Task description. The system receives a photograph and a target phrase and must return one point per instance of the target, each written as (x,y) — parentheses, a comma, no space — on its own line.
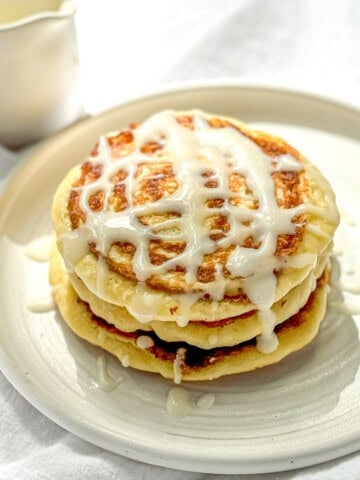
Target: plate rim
(148,454)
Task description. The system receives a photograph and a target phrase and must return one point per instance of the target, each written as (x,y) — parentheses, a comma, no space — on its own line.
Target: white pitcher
(38,69)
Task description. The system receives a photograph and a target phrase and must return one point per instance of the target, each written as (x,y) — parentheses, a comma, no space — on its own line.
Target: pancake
(203,334)
(193,246)
(177,360)
(173,275)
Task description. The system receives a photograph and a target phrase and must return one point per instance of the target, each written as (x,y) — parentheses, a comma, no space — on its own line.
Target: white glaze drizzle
(223,151)
(184,305)
(125,361)
(317,231)
(267,341)
(178,402)
(40,248)
(144,342)
(144,305)
(178,365)
(205,401)
(106,381)
(101,270)
(41,304)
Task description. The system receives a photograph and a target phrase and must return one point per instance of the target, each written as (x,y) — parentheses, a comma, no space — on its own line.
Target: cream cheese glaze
(39,249)
(205,401)
(144,342)
(178,365)
(222,151)
(41,304)
(178,402)
(106,381)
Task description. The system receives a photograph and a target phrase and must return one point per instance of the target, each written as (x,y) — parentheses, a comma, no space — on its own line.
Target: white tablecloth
(127,48)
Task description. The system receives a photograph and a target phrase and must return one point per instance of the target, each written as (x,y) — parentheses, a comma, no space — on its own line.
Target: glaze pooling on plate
(178,402)
(41,304)
(39,249)
(106,381)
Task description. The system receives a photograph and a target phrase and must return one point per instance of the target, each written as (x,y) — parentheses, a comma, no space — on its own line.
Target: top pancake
(163,194)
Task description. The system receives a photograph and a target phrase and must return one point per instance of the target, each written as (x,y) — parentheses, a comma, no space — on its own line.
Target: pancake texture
(205,335)
(196,364)
(203,238)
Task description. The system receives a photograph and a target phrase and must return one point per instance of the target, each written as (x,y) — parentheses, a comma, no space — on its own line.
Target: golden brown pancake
(156,181)
(202,334)
(187,362)
(192,244)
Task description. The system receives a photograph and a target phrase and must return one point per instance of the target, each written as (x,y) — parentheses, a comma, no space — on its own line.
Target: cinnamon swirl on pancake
(202,237)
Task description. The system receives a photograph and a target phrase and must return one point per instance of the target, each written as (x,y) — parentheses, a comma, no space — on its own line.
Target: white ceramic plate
(303,411)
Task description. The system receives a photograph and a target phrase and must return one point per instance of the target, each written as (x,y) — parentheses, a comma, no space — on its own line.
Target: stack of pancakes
(193,246)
